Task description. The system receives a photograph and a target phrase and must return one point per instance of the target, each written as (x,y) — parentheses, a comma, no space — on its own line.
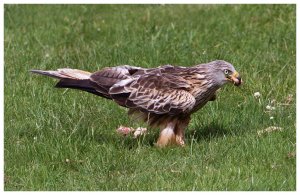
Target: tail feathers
(65,73)
(84,85)
(75,79)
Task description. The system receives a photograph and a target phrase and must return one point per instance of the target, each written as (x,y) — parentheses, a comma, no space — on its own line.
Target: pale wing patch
(108,77)
(111,75)
(119,87)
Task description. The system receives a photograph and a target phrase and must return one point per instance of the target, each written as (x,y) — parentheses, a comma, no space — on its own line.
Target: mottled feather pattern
(156,91)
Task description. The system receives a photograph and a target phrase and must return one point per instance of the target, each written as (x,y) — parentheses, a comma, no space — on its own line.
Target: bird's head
(224,72)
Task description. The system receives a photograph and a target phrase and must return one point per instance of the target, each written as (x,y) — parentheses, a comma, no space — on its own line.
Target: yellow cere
(235,74)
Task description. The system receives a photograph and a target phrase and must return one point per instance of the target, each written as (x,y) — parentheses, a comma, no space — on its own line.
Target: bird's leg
(179,130)
(166,134)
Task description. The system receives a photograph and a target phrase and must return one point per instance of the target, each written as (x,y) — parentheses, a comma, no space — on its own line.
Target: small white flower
(269,130)
(257,95)
(271,118)
(268,107)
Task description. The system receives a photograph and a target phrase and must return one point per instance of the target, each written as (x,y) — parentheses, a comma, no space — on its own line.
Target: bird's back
(167,89)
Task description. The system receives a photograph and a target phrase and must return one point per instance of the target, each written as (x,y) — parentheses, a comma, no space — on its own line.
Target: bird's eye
(226,71)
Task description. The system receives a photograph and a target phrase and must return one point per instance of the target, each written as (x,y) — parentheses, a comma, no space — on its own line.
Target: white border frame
(134,2)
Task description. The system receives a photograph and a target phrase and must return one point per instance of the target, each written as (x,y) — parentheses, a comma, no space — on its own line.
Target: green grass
(66,140)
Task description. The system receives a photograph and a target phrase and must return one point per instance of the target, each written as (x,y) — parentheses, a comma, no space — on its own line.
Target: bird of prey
(163,97)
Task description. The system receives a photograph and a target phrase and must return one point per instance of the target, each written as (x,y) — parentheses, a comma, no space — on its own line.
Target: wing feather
(155,92)
(104,79)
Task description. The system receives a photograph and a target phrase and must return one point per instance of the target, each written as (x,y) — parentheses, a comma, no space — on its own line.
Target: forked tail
(72,78)
(65,73)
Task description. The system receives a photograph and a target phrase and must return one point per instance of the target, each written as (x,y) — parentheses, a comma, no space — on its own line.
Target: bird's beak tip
(237,80)
(238,83)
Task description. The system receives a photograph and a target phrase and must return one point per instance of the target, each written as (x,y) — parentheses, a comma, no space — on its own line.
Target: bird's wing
(154,92)
(111,75)
(104,79)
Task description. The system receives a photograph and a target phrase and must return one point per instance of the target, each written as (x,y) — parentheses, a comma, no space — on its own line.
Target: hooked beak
(236,79)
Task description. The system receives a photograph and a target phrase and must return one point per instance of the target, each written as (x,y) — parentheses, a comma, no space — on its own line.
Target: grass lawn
(58,139)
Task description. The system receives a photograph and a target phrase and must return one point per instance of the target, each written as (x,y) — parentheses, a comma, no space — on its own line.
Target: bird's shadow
(196,134)
(208,132)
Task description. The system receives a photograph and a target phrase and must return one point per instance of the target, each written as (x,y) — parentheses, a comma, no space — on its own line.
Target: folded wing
(154,92)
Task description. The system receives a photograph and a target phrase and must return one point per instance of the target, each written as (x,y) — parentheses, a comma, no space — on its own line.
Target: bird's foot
(173,140)
(162,141)
(179,140)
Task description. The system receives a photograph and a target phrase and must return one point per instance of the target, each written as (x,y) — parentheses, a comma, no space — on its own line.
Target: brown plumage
(165,96)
